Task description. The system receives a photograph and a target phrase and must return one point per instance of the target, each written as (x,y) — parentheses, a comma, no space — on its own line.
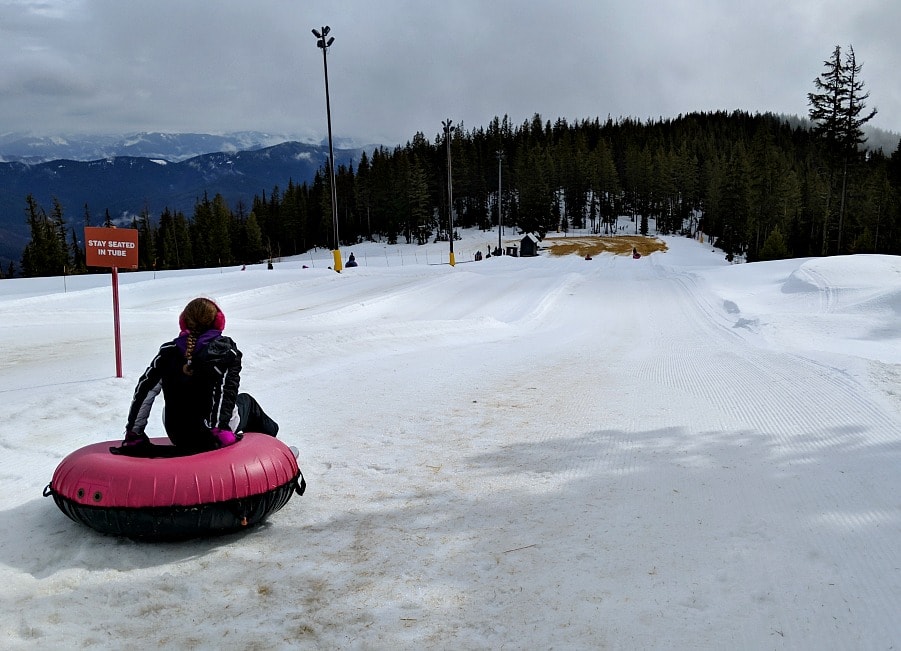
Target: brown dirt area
(583,245)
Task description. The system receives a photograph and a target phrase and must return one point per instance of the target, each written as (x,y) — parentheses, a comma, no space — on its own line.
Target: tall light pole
(323,43)
(500,203)
(450,190)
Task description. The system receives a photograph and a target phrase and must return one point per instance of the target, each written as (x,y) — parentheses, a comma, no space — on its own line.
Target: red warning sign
(111,247)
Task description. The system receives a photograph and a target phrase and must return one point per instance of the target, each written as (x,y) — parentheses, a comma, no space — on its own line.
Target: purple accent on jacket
(182,340)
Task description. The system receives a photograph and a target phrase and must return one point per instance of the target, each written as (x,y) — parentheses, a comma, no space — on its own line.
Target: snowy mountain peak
(173,147)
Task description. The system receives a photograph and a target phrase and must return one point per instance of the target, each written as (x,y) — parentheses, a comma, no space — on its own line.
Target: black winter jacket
(194,403)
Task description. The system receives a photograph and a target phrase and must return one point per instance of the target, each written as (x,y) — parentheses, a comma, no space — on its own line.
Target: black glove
(134,445)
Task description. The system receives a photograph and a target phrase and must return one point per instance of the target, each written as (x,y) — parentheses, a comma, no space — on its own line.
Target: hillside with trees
(761,186)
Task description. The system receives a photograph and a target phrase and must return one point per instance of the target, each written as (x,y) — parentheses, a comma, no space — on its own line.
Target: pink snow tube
(180,497)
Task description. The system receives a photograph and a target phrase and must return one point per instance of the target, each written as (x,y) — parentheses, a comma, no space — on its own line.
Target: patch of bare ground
(591,245)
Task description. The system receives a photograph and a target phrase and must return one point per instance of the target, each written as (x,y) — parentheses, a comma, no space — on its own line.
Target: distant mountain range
(161,172)
(173,147)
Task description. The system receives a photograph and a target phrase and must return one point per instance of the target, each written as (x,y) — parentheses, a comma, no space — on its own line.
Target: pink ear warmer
(218,322)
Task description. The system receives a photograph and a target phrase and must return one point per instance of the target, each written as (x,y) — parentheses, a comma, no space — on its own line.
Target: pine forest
(762,186)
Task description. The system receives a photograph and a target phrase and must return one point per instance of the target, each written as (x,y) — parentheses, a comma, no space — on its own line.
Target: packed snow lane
(626,463)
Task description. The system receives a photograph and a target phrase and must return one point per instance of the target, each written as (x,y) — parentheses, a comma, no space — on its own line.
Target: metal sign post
(112,247)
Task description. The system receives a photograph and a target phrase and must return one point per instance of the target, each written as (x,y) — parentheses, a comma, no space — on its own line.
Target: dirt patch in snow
(591,245)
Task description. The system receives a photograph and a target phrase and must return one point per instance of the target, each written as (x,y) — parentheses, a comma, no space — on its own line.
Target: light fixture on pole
(448,128)
(500,202)
(323,43)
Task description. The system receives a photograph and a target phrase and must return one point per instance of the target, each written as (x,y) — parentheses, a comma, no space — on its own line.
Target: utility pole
(324,44)
(500,202)
(448,129)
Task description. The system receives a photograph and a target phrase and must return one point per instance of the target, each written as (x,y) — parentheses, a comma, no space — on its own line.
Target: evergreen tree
(220,233)
(762,180)
(421,214)
(169,257)
(172,241)
(876,198)
(575,169)
(76,255)
(210,232)
(637,181)
(348,215)
(774,247)
(47,253)
(827,106)
(253,239)
(603,183)
(735,205)
(535,196)
(184,245)
(201,228)
(291,218)
(363,198)
(836,111)
(35,256)
(60,246)
(326,228)
(276,221)
(147,241)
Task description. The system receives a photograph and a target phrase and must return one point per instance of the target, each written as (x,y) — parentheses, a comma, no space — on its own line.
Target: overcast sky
(401,66)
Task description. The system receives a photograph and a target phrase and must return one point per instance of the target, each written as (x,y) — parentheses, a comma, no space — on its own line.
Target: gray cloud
(402,66)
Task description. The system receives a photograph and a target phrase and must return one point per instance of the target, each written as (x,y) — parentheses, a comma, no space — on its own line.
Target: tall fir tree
(837,113)
(47,254)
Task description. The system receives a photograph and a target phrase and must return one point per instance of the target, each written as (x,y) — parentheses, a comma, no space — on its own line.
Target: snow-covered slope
(545,452)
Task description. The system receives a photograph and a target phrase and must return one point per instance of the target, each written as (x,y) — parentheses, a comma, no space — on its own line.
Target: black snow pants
(252,417)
